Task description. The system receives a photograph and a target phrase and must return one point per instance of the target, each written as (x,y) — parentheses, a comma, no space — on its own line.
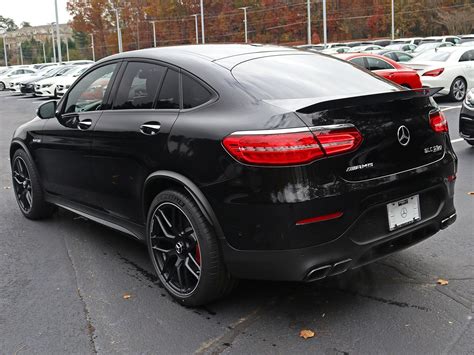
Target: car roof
(211,52)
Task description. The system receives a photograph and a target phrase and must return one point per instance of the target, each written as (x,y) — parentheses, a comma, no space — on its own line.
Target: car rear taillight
(434,72)
(275,148)
(438,122)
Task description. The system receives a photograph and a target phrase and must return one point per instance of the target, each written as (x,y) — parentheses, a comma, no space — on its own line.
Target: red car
(385,67)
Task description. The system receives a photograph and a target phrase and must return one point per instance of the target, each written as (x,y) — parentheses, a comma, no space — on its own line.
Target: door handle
(84,124)
(150,128)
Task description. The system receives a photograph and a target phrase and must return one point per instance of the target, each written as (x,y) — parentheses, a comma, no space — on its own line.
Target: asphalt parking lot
(63,282)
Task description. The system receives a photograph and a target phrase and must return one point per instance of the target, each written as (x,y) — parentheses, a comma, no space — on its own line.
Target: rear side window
(467,56)
(378,64)
(360,61)
(194,94)
(298,76)
(402,57)
(139,86)
(169,93)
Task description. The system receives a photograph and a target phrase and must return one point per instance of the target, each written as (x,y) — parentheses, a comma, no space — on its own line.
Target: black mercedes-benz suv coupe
(466,118)
(241,161)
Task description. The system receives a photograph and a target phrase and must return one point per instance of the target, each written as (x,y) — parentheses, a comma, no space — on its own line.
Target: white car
(451,39)
(28,80)
(424,47)
(411,40)
(11,74)
(451,68)
(365,48)
(47,87)
(65,82)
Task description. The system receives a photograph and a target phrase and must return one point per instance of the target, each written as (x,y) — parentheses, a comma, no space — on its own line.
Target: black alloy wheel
(22,185)
(184,250)
(175,248)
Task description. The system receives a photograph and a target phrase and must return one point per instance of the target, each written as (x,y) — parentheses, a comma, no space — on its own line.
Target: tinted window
(378,64)
(305,76)
(194,94)
(391,55)
(402,57)
(467,56)
(169,93)
(139,86)
(89,92)
(360,61)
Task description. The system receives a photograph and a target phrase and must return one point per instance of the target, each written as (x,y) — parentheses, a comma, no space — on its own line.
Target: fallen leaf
(442,282)
(127,296)
(471,193)
(306,333)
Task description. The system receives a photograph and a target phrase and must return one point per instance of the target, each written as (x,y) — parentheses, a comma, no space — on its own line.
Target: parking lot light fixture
(325,25)
(154,33)
(245,22)
(202,23)
(308,9)
(21,53)
(196,27)
(119,31)
(92,47)
(53,44)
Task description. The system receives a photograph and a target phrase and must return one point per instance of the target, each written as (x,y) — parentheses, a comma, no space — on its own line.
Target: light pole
(60,59)
(196,26)
(393,19)
(67,49)
(245,21)
(21,54)
(325,26)
(119,31)
(52,39)
(308,9)
(92,47)
(202,23)
(154,33)
(44,52)
(5,49)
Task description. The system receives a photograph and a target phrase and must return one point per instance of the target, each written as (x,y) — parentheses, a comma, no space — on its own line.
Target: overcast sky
(36,12)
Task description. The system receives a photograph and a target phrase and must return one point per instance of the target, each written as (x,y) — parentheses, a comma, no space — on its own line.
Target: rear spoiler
(310,105)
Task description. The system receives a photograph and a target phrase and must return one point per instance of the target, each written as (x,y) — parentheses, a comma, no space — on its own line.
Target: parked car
(13,74)
(466,118)
(382,42)
(335,50)
(386,68)
(365,48)
(412,40)
(25,84)
(47,87)
(318,47)
(424,47)
(241,161)
(397,56)
(466,39)
(403,47)
(44,65)
(64,82)
(357,43)
(442,39)
(450,68)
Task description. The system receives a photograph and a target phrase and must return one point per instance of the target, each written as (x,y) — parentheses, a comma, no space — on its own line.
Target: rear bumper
(436,82)
(335,257)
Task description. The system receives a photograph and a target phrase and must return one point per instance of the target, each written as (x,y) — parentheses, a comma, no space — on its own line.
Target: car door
(131,139)
(63,151)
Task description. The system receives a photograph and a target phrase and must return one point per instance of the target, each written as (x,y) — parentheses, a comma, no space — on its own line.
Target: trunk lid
(396,131)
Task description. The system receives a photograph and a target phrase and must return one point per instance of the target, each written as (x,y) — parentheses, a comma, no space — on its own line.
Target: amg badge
(359,167)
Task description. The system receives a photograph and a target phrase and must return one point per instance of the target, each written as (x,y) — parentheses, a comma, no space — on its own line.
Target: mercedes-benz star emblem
(179,247)
(403,135)
(404,212)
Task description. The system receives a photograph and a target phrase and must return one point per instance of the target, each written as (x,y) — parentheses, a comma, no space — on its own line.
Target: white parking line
(457,140)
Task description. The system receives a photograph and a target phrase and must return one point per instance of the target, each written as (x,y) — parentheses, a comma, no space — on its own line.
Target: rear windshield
(434,56)
(300,76)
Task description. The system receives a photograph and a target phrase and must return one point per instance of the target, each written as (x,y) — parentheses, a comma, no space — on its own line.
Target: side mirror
(47,110)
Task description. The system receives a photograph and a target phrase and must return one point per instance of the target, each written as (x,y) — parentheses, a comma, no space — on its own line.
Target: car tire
(184,250)
(458,89)
(28,189)
(2,86)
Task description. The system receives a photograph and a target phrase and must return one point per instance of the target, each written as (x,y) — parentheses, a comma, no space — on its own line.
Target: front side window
(194,94)
(402,57)
(89,92)
(378,64)
(360,61)
(139,86)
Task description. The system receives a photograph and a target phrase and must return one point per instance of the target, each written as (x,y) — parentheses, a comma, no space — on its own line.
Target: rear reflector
(438,122)
(434,72)
(290,148)
(326,217)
